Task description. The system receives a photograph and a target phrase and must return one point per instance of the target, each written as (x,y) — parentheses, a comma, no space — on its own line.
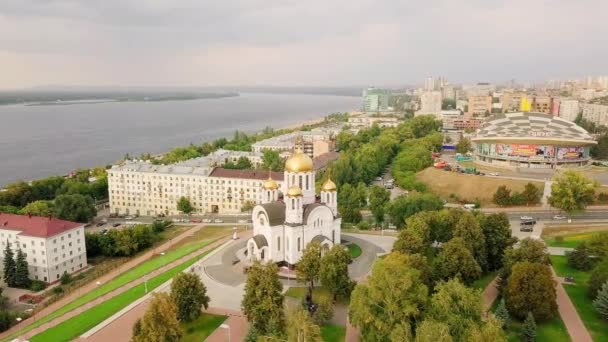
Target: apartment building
(314,143)
(569,109)
(375,100)
(596,113)
(480,105)
(364,120)
(52,246)
(430,103)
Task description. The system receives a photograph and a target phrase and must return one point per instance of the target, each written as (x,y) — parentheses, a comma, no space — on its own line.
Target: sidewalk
(567,311)
(121,289)
(489,295)
(237,323)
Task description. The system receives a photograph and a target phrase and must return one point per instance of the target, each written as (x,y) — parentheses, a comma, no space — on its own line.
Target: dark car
(100,224)
(116,225)
(104,231)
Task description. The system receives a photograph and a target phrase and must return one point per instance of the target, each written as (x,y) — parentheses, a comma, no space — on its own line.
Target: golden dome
(298,162)
(328,185)
(294,191)
(270,184)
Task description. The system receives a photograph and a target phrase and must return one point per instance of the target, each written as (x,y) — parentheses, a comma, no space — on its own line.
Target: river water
(40,141)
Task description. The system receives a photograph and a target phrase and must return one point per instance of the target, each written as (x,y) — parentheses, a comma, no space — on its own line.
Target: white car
(559,217)
(526,218)
(206,220)
(129,217)
(243,221)
(493,174)
(218,221)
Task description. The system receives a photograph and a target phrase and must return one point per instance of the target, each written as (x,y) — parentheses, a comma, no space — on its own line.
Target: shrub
(324,312)
(57,290)
(599,275)
(37,285)
(65,278)
(579,258)
(601,302)
(363,225)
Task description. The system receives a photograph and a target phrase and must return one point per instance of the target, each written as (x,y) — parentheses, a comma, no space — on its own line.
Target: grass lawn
(88,319)
(578,295)
(354,250)
(201,328)
(333,333)
(484,281)
(571,235)
(468,187)
(205,233)
(300,292)
(133,274)
(549,331)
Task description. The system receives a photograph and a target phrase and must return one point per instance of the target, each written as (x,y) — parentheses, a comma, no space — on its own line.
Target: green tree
(349,204)
(502,196)
(184,205)
(424,125)
(9,266)
(502,314)
(46,188)
(457,306)
(531,194)
(491,330)
(159,323)
(409,242)
(468,228)
(65,279)
(580,257)
(333,272)
(263,299)
(307,269)
(456,260)
(464,145)
(600,303)
(528,333)
(271,160)
(572,192)
(403,207)
(497,232)
(529,250)
(599,275)
(378,200)
(38,208)
(324,311)
(189,295)
(248,205)
(531,288)
(393,299)
(77,208)
(301,328)
(433,331)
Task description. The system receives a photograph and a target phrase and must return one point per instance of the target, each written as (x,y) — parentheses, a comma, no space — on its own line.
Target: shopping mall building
(532,140)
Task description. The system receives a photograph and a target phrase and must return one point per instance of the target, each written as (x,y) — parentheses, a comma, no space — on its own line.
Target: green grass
(201,328)
(578,295)
(354,250)
(549,331)
(484,281)
(133,274)
(88,319)
(569,241)
(300,292)
(333,333)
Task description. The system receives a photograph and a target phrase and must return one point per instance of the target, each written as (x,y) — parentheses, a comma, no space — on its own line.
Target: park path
(489,295)
(237,323)
(91,286)
(574,324)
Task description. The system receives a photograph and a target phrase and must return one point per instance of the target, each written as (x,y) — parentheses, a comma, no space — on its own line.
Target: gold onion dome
(270,184)
(298,162)
(294,191)
(328,185)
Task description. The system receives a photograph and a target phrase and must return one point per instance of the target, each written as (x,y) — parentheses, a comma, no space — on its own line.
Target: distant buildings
(375,99)
(52,246)
(569,109)
(430,103)
(366,120)
(314,143)
(480,105)
(596,113)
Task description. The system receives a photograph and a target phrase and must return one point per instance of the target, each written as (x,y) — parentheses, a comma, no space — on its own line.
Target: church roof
(319,238)
(275,212)
(260,241)
(308,208)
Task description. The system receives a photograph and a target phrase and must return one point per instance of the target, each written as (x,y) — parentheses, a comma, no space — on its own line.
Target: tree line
(531,195)
(124,242)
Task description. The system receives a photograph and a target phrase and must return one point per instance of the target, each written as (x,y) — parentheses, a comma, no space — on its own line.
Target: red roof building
(36,226)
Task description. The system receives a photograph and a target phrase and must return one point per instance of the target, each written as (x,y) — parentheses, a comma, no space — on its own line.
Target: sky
(297,43)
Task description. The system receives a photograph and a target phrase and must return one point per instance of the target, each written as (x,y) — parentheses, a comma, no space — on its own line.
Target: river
(40,141)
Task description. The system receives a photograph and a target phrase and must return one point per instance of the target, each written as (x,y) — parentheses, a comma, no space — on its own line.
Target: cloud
(283,42)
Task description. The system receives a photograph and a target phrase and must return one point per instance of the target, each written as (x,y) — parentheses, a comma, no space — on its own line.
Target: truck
(464,158)
(470,170)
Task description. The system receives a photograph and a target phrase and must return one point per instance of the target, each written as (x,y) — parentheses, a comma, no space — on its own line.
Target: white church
(282,229)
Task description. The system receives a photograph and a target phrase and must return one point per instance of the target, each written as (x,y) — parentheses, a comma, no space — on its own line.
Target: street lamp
(227,327)
(19,319)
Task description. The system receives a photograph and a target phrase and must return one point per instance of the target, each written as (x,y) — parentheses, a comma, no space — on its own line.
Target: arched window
(307,182)
(262,255)
(333,236)
(293,180)
(268,195)
(293,204)
(300,181)
(278,243)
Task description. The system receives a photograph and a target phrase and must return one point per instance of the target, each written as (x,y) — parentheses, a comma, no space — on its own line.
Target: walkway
(237,323)
(567,311)
(489,295)
(121,289)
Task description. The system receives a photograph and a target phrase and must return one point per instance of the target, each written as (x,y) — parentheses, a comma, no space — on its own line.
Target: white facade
(362,120)
(569,109)
(596,113)
(430,103)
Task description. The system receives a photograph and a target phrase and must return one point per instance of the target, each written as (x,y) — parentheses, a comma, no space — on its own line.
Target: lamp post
(18,319)
(227,327)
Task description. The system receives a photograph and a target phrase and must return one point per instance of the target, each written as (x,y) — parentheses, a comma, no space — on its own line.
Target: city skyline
(187,43)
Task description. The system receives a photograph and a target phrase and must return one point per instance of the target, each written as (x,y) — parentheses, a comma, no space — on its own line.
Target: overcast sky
(303,42)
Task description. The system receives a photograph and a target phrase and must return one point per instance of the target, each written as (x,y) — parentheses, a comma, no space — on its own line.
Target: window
(298,244)
(278,243)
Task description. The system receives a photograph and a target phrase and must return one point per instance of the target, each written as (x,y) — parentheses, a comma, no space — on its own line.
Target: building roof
(319,238)
(321,161)
(36,226)
(532,128)
(260,241)
(308,208)
(275,212)
(245,174)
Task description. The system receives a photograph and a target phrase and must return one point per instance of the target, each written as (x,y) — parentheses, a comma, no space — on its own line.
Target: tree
(529,250)
(491,330)
(376,311)
(528,333)
(502,196)
(497,232)
(378,199)
(159,323)
(458,306)
(184,205)
(468,228)
(9,265)
(333,272)
(531,194)
(408,242)
(66,278)
(307,269)
(248,205)
(301,328)
(433,331)
(599,275)
(38,208)
(349,204)
(189,295)
(403,207)
(456,260)
(22,274)
(580,257)
(600,303)
(263,299)
(324,311)
(531,288)
(464,145)
(572,192)
(501,313)
(76,207)
(271,160)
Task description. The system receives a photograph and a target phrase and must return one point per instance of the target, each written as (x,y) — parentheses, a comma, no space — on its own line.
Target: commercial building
(52,246)
(314,143)
(375,100)
(480,105)
(430,103)
(569,109)
(366,120)
(596,113)
(532,140)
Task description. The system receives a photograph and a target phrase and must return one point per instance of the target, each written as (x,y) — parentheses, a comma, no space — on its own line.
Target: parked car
(206,220)
(218,220)
(104,231)
(129,217)
(526,218)
(493,174)
(100,224)
(526,228)
(559,217)
(196,221)
(243,221)
(116,225)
